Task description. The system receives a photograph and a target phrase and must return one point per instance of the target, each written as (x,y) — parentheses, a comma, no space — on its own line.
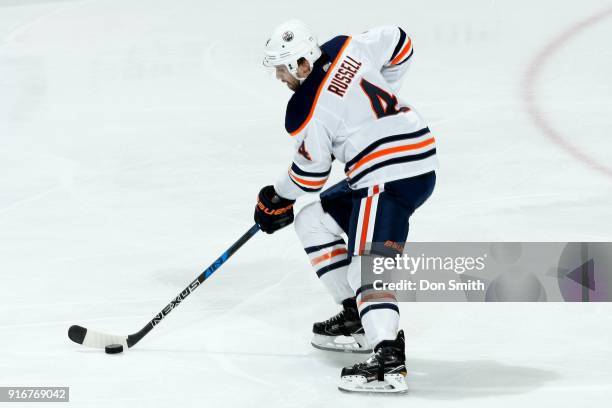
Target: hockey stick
(91,338)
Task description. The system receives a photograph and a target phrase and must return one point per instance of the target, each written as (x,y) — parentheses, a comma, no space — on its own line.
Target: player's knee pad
(312,223)
(325,248)
(308,219)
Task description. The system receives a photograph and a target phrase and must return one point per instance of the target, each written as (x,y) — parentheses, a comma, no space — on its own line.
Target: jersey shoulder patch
(301,104)
(303,152)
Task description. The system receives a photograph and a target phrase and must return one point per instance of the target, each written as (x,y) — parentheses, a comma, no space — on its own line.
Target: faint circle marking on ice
(531,78)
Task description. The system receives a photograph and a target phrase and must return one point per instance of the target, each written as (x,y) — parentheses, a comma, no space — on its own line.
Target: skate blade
(393,383)
(348,344)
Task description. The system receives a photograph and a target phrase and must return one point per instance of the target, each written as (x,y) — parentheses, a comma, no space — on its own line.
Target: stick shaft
(136,337)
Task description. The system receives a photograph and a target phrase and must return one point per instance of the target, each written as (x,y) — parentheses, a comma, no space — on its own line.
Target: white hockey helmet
(289,42)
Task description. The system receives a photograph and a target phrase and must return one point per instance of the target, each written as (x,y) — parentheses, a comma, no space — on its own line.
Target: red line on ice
(529,93)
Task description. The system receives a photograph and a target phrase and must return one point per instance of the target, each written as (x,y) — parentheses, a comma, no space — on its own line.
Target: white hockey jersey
(346,109)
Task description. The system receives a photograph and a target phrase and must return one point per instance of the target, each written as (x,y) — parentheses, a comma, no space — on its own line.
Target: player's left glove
(272,211)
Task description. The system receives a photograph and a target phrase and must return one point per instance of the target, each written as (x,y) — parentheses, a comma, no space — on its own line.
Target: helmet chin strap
(298,78)
(294,74)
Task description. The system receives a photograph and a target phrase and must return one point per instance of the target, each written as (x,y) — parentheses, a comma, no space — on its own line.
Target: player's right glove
(272,211)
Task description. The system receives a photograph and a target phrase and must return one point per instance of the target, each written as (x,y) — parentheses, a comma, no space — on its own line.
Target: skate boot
(384,371)
(342,332)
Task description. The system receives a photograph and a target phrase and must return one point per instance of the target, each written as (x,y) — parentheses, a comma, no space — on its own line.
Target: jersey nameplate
(344,76)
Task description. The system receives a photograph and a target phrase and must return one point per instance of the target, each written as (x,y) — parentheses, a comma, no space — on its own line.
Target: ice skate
(383,372)
(342,332)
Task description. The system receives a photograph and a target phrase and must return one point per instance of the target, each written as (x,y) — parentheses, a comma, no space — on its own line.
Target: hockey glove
(273,212)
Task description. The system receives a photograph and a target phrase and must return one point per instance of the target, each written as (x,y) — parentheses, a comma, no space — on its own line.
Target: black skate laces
(342,316)
(339,318)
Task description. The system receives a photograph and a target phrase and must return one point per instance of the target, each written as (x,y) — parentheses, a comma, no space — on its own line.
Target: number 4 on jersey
(383,103)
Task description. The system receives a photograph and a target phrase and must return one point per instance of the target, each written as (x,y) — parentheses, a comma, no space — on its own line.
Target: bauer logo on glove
(272,211)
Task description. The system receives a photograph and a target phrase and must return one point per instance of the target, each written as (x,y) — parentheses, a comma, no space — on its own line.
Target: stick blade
(94,339)
(77,333)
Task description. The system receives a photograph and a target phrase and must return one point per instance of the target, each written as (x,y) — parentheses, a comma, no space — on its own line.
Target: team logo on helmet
(287,36)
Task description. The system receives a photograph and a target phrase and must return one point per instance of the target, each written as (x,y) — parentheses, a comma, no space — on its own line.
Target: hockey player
(345,108)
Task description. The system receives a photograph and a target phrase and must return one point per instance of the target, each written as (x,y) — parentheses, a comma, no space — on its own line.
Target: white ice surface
(135,134)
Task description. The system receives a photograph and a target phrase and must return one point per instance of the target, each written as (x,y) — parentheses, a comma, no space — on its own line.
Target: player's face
(283,74)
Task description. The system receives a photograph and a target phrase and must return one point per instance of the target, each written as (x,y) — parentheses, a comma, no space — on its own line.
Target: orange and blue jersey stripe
(306,180)
(403,50)
(381,153)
